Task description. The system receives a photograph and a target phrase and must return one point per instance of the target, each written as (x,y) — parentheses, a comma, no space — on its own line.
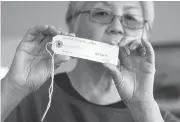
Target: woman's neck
(93,82)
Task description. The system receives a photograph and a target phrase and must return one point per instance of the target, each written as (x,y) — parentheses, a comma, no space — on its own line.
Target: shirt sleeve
(25,112)
(32,108)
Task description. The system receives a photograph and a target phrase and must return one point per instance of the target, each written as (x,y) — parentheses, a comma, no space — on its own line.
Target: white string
(52,79)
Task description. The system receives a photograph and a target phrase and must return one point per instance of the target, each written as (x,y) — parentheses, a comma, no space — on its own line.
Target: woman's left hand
(134,78)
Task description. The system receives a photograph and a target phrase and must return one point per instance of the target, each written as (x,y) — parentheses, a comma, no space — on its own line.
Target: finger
(44,49)
(28,38)
(123,56)
(134,44)
(42,30)
(58,59)
(123,53)
(116,75)
(33,32)
(46,36)
(142,51)
(72,34)
(39,38)
(46,43)
(62,31)
(118,64)
(52,30)
(127,40)
(149,51)
(59,31)
(36,30)
(124,41)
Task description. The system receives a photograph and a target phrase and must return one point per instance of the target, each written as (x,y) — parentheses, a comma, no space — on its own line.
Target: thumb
(116,75)
(58,59)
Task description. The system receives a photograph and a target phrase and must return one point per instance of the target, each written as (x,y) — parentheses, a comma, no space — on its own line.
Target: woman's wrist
(10,88)
(11,96)
(147,111)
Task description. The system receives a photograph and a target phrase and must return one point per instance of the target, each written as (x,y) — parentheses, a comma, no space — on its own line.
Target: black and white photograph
(90,61)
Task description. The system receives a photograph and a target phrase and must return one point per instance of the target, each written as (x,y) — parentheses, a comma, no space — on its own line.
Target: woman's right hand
(31,65)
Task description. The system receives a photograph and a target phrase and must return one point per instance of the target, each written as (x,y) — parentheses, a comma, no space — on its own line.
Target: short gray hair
(73,8)
(76,6)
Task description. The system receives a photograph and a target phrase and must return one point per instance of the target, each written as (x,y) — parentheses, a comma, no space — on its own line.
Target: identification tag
(85,49)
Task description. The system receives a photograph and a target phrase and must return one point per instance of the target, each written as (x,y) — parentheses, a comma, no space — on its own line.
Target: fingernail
(59,32)
(143,54)
(66,33)
(121,44)
(127,50)
(133,46)
(72,34)
(62,31)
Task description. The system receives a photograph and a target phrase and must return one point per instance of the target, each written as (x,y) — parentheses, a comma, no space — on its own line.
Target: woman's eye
(129,17)
(102,14)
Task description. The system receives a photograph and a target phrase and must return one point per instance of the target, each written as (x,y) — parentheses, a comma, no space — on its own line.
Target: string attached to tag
(52,79)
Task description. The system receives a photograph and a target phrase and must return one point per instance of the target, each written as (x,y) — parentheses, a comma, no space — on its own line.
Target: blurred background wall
(17,17)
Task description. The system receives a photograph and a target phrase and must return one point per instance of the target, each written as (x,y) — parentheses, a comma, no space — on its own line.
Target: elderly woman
(91,92)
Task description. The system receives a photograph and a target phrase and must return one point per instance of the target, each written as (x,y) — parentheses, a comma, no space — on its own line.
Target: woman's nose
(116,27)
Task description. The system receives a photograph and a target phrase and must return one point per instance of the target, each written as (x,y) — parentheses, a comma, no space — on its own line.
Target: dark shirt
(69,106)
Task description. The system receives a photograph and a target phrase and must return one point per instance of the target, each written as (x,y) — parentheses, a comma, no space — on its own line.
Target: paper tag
(86,49)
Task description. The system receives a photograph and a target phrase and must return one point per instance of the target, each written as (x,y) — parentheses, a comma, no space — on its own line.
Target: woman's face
(113,32)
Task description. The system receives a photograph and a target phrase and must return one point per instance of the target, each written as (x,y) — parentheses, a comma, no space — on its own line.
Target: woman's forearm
(146,112)
(11,96)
